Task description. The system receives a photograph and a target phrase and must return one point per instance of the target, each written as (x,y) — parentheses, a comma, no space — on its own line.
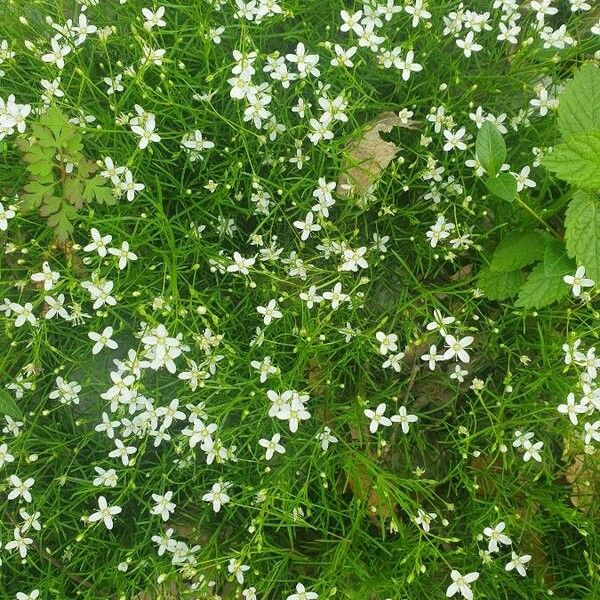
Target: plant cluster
(299,299)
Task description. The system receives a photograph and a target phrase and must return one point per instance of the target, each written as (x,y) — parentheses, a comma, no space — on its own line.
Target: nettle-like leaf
(582,225)
(519,249)
(504,277)
(500,285)
(545,283)
(62,180)
(490,148)
(577,160)
(580,102)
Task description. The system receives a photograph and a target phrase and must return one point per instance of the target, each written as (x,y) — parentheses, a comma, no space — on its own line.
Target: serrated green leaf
(490,148)
(8,406)
(556,260)
(582,224)
(500,286)
(541,289)
(579,108)
(577,160)
(519,249)
(504,186)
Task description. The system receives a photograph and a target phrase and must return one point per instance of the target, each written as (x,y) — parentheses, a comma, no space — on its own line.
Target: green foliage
(62,179)
(503,186)
(504,277)
(580,102)
(498,285)
(490,148)
(8,406)
(582,225)
(577,160)
(519,249)
(545,283)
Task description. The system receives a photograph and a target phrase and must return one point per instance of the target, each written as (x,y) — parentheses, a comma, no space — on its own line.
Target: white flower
(98,243)
(307,226)
(418,11)
(424,519)
(468,45)
(144,128)
(311,297)
(123,254)
(108,478)
(454,139)
(578,281)
(353,259)
(457,348)
(272,446)
(47,276)
(5,215)
(336,297)
(269,312)
(377,418)
(387,342)
(103,340)
(57,55)
(235,567)
(163,507)
(240,264)
(518,562)
(56,307)
(532,451)
(20,488)
(302,594)
(432,357)
(408,66)
(217,496)
(5,455)
(19,542)
(325,438)
(123,452)
(33,595)
(105,513)
(571,408)
(496,537)
(24,314)
(129,186)
(294,412)
(153,18)
(404,418)
(460,583)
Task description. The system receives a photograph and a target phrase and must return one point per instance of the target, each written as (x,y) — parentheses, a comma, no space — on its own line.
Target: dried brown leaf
(369,156)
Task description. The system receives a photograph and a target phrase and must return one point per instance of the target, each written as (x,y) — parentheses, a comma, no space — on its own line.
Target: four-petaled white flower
(269,312)
(404,419)
(104,513)
(272,446)
(217,496)
(103,340)
(578,281)
(518,563)
(461,584)
(496,537)
(307,226)
(302,594)
(163,507)
(377,417)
